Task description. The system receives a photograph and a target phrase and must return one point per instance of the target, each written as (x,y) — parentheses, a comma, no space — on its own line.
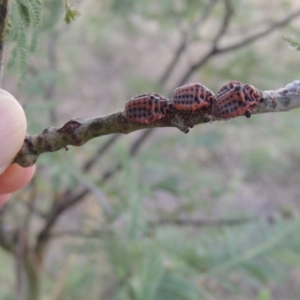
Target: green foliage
(294,44)
(70,13)
(24,26)
(6,276)
(264,294)
(27,19)
(171,263)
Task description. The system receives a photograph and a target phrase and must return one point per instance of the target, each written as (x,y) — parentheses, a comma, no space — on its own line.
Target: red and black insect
(236,99)
(226,88)
(192,99)
(146,108)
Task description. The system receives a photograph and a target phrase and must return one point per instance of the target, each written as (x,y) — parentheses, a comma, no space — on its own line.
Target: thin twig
(223,27)
(187,37)
(76,234)
(217,50)
(4,6)
(100,152)
(202,222)
(261,34)
(225,22)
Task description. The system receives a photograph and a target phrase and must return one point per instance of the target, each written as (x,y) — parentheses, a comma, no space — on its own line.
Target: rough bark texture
(76,132)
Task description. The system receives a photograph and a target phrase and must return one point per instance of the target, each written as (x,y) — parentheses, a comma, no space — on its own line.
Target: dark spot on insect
(248,114)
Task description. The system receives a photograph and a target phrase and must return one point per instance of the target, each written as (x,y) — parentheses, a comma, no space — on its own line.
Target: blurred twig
(22,250)
(100,152)
(186,38)
(223,27)
(76,234)
(217,50)
(4,6)
(202,222)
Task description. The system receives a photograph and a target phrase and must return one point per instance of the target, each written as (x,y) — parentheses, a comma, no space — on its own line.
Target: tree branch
(216,50)
(77,132)
(261,34)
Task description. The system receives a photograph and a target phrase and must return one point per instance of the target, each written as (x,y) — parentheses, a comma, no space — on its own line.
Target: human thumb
(13,128)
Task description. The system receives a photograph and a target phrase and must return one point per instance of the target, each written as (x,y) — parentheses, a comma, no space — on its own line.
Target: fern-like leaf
(24,27)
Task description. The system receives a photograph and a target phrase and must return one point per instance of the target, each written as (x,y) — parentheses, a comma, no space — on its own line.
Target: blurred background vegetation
(154,215)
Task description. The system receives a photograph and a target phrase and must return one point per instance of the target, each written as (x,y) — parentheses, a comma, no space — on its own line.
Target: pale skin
(13,128)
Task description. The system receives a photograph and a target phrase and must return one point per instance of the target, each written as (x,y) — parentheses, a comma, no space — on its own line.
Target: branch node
(178,122)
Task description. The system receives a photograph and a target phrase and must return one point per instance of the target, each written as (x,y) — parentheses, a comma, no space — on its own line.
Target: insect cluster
(232,100)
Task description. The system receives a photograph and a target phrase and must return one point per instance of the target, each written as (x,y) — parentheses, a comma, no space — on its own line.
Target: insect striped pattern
(232,100)
(226,88)
(192,99)
(146,108)
(235,99)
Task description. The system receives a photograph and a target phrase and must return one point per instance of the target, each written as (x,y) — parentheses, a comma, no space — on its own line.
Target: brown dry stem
(77,132)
